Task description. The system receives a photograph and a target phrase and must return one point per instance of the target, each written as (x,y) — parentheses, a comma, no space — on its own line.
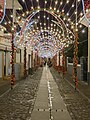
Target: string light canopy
(55,26)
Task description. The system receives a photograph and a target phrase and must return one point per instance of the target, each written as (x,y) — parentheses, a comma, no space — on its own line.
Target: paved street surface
(77,103)
(17,104)
(53,99)
(49,104)
(4,86)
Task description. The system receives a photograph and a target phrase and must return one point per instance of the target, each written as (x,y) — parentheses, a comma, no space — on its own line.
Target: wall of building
(70,69)
(18,57)
(8,63)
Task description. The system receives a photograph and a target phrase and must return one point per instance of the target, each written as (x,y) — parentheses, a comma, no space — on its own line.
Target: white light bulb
(83,31)
(72,5)
(23,0)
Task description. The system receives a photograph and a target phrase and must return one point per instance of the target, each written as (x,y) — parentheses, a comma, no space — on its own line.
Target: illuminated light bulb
(35,22)
(81,13)
(9,22)
(27,12)
(71,37)
(71,23)
(67,25)
(2,29)
(87,10)
(89,25)
(18,17)
(5,23)
(76,30)
(61,3)
(64,18)
(78,0)
(45,2)
(54,25)
(72,5)
(69,19)
(14,26)
(38,7)
(76,23)
(51,24)
(59,16)
(44,16)
(67,14)
(56,2)
(80,19)
(32,8)
(38,17)
(72,27)
(37,0)
(23,0)
(11,16)
(62,10)
(67,1)
(58,11)
(12,29)
(47,18)
(1,10)
(23,14)
(50,8)
(80,26)
(59,31)
(75,12)
(52,12)
(48,27)
(54,8)
(41,28)
(83,31)
(19,8)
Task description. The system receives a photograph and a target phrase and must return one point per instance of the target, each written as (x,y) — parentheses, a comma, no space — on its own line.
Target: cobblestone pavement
(18,103)
(77,105)
(4,86)
(82,85)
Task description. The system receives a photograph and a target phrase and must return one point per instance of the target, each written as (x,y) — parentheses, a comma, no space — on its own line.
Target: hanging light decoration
(2,10)
(12,63)
(75,59)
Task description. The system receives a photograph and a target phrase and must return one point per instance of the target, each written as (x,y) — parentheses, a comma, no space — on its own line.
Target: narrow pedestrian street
(49,103)
(44,59)
(39,97)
